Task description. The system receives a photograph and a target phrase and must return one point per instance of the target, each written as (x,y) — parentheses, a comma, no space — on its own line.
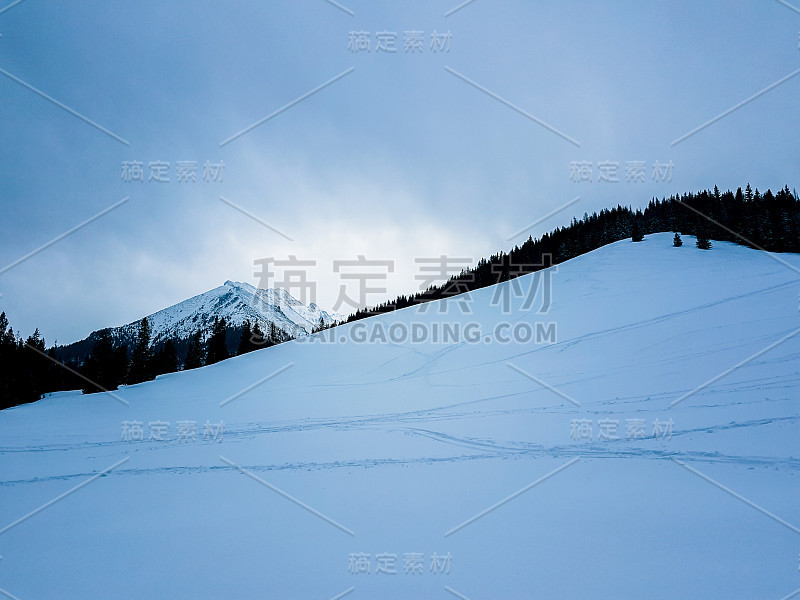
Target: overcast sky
(448,148)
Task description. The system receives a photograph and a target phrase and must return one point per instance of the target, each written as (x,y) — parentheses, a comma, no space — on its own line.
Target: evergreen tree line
(106,365)
(218,346)
(767,221)
(28,369)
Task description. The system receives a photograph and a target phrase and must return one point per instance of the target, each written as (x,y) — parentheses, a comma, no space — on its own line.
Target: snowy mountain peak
(236,302)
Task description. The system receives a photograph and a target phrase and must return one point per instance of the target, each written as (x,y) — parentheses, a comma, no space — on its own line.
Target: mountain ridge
(235,301)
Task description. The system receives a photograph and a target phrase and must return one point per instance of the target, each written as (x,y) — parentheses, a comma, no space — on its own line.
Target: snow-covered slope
(236,302)
(362,453)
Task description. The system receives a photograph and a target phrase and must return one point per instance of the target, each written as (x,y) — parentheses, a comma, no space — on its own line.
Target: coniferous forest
(764,221)
(28,369)
(768,221)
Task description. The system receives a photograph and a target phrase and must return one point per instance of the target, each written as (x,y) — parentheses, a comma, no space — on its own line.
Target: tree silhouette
(106,365)
(166,359)
(636,233)
(142,358)
(217,345)
(195,355)
(246,339)
(703,242)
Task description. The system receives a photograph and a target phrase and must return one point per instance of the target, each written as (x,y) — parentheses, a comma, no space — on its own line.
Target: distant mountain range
(235,301)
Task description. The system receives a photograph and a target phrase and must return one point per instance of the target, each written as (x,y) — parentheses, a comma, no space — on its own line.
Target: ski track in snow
(420,408)
(619,448)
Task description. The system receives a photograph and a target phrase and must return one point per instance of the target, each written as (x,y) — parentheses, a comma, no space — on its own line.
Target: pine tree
(195,357)
(257,339)
(9,366)
(636,234)
(320,326)
(56,376)
(33,368)
(703,242)
(119,365)
(677,241)
(166,359)
(105,365)
(142,359)
(217,344)
(245,339)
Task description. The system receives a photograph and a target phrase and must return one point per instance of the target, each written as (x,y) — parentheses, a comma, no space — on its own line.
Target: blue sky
(400,158)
